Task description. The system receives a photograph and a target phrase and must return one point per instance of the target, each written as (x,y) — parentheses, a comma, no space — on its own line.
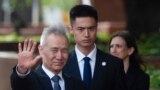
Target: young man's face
(84,30)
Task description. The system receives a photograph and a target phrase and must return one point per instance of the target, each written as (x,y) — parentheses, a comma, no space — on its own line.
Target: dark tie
(56,82)
(87,76)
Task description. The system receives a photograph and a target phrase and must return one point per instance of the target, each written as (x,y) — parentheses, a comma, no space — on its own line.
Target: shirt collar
(91,55)
(49,73)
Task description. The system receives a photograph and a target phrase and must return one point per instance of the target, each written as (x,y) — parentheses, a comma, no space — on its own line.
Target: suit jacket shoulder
(108,69)
(38,80)
(108,57)
(71,68)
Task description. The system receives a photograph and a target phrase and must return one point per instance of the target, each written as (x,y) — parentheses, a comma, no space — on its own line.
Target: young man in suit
(105,72)
(53,51)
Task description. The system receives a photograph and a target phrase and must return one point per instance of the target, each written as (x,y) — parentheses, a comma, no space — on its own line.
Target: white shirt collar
(49,73)
(91,55)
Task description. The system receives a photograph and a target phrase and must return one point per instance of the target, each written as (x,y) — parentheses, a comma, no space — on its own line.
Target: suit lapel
(44,79)
(67,83)
(98,66)
(74,65)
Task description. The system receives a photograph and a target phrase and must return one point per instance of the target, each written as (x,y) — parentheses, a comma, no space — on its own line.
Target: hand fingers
(33,46)
(25,44)
(20,47)
(29,46)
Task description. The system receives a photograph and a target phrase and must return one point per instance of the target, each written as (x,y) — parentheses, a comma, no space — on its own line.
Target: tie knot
(86,59)
(56,78)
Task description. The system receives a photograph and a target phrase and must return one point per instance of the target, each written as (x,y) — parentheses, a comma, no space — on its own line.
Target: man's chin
(58,69)
(87,45)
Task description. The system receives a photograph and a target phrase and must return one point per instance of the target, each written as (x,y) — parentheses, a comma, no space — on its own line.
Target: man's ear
(131,50)
(40,49)
(70,29)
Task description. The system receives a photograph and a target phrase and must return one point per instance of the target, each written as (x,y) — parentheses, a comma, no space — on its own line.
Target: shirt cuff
(22,75)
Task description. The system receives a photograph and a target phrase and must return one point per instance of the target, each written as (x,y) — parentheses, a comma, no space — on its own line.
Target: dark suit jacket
(137,79)
(38,80)
(108,77)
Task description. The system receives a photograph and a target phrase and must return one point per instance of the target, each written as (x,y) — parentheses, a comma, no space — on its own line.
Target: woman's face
(119,48)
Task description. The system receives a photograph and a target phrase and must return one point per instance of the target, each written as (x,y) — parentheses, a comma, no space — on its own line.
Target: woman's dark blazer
(137,79)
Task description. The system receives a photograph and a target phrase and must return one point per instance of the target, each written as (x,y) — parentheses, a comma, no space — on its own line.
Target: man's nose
(86,33)
(59,55)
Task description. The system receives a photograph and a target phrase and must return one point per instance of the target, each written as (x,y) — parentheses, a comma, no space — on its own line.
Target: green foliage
(150,45)
(103,37)
(14,37)
(20,4)
(64,4)
(49,2)
(154,77)
(102,47)
(35,38)
(70,37)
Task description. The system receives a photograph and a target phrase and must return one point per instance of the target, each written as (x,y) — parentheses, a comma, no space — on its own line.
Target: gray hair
(56,30)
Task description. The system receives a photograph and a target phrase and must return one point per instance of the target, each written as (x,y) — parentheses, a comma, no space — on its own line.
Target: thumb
(36,61)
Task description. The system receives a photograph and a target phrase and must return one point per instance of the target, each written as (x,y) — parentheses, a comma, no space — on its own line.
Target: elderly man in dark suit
(98,70)
(53,50)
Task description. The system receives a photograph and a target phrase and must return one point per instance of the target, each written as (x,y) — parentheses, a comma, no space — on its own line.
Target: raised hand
(26,59)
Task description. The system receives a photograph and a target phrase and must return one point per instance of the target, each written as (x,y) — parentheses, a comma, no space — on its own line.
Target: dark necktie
(87,76)
(56,82)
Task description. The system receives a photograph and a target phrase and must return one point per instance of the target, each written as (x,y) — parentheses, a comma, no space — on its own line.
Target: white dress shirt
(50,74)
(80,56)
